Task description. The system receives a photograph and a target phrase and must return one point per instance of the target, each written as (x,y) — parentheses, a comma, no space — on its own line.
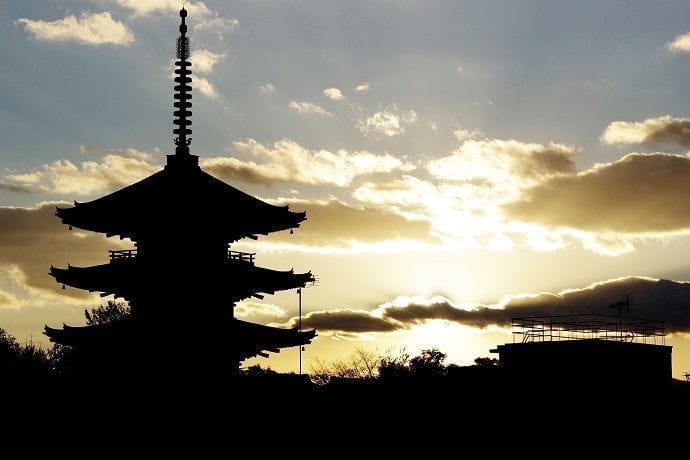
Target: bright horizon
(453,157)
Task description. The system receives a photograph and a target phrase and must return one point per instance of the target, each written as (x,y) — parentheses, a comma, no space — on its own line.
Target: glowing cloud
(148,7)
(680,44)
(386,123)
(308,108)
(88,28)
(90,177)
(362,87)
(333,93)
(204,60)
(287,161)
(652,131)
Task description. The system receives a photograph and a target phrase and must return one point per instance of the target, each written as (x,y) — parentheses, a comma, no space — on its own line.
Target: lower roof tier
(180,199)
(244,339)
(236,280)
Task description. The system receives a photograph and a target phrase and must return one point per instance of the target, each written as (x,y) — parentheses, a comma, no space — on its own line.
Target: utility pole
(299,326)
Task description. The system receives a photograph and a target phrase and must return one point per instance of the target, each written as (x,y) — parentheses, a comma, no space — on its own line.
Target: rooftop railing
(130,255)
(588,326)
(237,256)
(122,255)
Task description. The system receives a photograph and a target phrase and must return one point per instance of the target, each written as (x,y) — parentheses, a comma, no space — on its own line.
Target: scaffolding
(588,327)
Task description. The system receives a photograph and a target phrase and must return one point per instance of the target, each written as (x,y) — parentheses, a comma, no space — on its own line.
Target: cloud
(344,320)
(206,87)
(124,153)
(13,187)
(268,88)
(333,223)
(387,123)
(333,93)
(307,108)
(362,87)
(116,169)
(10,301)
(466,134)
(148,7)
(31,239)
(253,309)
(88,28)
(464,198)
(204,60)
(680,44)
(505,165)
(639,194)
(652,131)
(653,298)
(287,161)
(217,24)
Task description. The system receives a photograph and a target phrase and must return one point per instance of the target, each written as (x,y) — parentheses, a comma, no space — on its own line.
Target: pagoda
(181,279)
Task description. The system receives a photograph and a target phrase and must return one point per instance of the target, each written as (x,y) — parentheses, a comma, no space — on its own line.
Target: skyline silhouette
(454,177)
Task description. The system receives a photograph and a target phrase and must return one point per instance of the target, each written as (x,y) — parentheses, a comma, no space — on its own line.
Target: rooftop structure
(587,352)
(587,327)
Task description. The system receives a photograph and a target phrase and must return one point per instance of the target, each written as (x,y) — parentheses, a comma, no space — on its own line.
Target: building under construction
(593,352)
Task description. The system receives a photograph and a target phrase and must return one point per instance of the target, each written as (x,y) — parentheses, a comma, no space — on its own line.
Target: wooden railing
(130,255)
(237,256)
(122,255)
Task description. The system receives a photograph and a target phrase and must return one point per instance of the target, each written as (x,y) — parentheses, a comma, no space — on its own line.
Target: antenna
(622,305)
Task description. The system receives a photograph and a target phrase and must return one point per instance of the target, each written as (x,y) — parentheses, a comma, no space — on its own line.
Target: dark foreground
(490,402)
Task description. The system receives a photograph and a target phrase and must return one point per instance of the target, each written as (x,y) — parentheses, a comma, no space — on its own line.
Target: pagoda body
(181,279)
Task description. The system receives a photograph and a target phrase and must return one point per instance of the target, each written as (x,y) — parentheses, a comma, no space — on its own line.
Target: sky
(460,162)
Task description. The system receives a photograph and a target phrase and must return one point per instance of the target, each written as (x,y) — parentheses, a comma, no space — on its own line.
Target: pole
(299,294)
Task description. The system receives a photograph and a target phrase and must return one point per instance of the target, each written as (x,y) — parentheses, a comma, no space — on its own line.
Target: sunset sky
(453,157)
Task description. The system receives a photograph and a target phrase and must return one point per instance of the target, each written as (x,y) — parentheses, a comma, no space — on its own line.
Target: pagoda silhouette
(182,280)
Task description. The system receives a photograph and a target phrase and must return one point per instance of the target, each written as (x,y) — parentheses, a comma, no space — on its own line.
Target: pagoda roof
(182,199)
(247,339)
(122,279)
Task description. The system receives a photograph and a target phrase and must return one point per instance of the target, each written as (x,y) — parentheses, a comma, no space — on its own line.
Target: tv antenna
(622,305)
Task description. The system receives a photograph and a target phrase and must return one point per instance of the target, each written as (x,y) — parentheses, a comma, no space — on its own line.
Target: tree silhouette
(361,364)
(66,360)
(485,362)
(21,363)
(428,363)
(105,314)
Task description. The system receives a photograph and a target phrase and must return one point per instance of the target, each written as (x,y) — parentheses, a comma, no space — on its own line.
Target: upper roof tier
(179,200)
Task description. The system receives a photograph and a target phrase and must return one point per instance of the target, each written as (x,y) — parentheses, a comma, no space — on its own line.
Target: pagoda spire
(182,91)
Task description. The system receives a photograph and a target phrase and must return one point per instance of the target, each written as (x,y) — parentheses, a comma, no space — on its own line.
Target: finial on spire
(182,91)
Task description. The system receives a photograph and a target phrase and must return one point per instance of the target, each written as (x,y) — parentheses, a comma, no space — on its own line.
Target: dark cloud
(345,320)
(640,193)
(334,223)
(653,299)
(31,239)
(234,170)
